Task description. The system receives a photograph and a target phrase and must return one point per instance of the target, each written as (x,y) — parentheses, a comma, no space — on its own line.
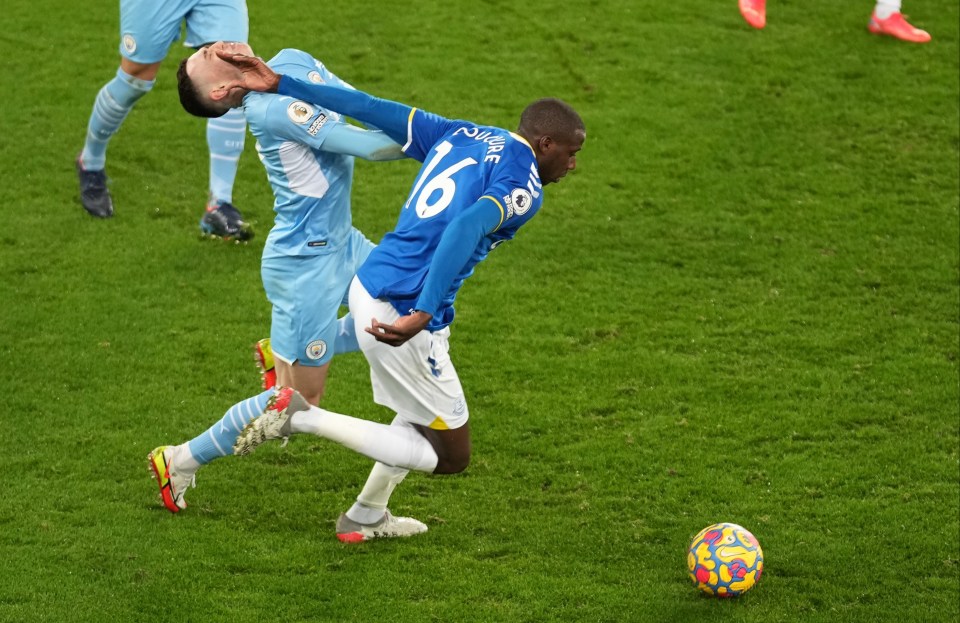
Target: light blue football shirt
(311,186)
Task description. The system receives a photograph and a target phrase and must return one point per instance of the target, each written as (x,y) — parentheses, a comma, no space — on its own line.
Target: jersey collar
(524,141)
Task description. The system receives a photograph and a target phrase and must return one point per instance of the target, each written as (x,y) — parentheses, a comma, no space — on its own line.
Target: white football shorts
(417,379)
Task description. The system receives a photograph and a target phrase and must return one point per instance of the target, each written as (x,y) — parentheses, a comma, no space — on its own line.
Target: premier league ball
(725,560)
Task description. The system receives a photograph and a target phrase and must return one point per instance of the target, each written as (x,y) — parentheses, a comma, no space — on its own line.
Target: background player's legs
(113,103)
(225,138)
(209,21)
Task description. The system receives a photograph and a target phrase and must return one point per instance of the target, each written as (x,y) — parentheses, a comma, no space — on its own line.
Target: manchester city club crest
(316,349)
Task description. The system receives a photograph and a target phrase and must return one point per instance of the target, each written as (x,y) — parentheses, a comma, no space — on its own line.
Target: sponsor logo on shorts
(314,77)
(129,43)
(316,349)
(299,112)
(317,124)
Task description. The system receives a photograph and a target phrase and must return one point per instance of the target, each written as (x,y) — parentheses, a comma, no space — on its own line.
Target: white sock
(183,459)
(372,502)
(886,8)
(397,446)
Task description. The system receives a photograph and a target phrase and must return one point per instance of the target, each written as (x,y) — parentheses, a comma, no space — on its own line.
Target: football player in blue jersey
(147,29)
(478,185)
(312,252)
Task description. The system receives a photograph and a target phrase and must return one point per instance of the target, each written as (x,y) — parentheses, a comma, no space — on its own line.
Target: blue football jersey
(311,186)
(464,165)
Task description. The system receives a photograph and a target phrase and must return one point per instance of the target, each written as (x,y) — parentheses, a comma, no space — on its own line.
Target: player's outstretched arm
(389,116)
(367,144)
(393,118)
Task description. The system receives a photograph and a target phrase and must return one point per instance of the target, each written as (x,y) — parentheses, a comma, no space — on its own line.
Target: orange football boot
(896,26)
(755,12)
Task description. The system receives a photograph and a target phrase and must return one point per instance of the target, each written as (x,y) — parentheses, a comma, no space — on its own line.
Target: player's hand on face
(256,75)
(400,331)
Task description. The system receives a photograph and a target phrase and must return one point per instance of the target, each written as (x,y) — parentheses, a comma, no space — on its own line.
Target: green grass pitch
(743,306)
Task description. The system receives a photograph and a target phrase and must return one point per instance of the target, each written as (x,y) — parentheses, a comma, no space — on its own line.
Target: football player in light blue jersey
(477,186)
(147,30)
(312,252)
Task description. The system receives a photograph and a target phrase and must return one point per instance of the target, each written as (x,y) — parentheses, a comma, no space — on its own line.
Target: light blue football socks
(225,137)
(113,102)
(217,441)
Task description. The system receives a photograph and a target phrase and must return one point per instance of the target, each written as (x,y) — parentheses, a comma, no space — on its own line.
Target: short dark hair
(189,97)
(550,117)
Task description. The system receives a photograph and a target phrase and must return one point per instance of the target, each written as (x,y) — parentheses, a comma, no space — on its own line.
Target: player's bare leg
(452,447)
(309,381)
(141,71)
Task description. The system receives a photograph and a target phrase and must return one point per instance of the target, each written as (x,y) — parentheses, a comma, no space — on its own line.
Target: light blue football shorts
(149,27)
(306,293)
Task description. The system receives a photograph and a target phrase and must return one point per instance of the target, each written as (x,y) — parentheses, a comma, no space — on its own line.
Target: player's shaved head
(550,117)
(556,133)
(191,99)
